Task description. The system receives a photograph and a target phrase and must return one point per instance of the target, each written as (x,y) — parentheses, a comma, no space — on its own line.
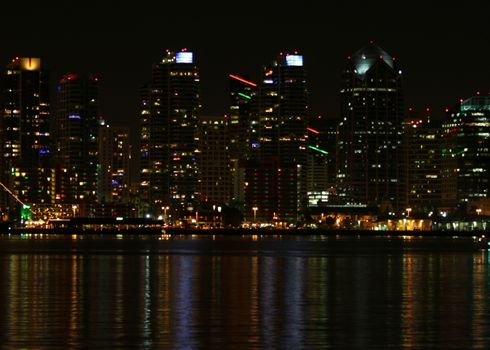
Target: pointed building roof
(366,57)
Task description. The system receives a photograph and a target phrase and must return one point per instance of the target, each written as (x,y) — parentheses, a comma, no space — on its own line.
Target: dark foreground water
(257,292)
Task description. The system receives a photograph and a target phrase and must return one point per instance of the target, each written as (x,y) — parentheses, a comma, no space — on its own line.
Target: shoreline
(235,231)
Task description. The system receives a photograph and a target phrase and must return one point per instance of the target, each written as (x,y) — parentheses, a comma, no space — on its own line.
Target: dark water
(257,292)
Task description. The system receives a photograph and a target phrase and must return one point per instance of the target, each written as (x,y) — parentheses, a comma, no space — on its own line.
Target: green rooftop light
(246,96)
(318,150)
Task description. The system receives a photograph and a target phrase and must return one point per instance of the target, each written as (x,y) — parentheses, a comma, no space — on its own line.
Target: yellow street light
(255,213)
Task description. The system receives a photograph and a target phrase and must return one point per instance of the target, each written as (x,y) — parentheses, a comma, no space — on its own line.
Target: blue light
(184,57)
(43,151)
(294,60)
(255,144)
(73,117)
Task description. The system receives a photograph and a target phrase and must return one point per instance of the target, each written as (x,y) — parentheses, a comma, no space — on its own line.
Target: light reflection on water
(263,292)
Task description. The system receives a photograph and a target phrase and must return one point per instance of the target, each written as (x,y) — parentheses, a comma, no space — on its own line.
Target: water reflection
(241,293)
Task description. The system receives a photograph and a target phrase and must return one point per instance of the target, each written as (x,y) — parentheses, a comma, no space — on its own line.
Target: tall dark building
(282,121)
(24,132)
(466,155)
(76,140)
(169,116)
(369,168)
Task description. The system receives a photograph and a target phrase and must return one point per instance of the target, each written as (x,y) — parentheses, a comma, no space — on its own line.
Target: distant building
(214,160)
(466,155)
(423,145)
(76,141)
(25,153)
(369,155)
(169,119)
(114,164)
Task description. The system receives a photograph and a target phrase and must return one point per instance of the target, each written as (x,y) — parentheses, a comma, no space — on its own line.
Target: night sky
(443,49)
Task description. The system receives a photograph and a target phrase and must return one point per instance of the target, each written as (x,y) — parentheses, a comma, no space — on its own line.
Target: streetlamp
(165,214)
(478,211)
(255,213)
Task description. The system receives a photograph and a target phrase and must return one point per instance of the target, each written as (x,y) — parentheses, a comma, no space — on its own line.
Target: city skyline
(441,62)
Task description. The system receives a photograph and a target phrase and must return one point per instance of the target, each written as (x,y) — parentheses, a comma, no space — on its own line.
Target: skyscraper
(24,131)
(282,121)
(370,131)
(76,140)
(169,112)
(466,155)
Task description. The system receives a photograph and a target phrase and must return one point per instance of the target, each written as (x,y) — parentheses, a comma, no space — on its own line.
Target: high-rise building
(214,160)
(282,121)
(369,170)
(169,117)
(76,141)
(114,164)
(24,132)
(282,110)
(466,155)
(422,143)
